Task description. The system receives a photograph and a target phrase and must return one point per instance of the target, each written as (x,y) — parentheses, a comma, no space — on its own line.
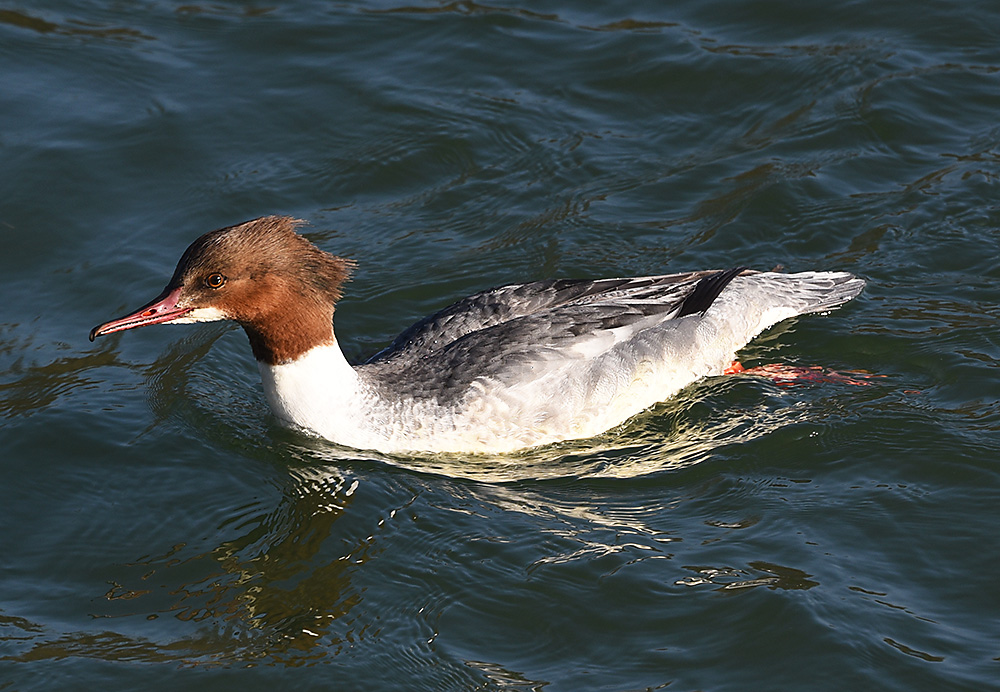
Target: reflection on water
(297,582)
(71,27)
(269,592)
(758,573)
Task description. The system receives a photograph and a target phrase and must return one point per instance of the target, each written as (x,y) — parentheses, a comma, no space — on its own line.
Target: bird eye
(215,280)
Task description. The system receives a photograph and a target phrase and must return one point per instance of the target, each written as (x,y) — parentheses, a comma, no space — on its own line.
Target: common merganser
(508,368)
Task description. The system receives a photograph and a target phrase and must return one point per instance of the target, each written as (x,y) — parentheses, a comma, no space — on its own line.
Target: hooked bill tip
(163,308)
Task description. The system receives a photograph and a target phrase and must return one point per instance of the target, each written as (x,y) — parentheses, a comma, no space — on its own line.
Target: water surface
(162,530)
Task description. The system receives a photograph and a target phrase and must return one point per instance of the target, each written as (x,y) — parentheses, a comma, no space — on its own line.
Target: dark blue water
(161,531)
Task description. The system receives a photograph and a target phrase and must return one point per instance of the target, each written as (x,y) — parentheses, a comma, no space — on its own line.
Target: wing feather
(503,333)
(497,306)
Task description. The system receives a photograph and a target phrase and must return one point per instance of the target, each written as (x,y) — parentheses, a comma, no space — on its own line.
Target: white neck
(318,391)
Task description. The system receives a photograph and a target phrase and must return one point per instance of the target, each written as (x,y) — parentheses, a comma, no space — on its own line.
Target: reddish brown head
(280,287)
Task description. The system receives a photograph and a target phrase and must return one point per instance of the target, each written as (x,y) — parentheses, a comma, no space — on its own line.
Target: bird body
(512,367)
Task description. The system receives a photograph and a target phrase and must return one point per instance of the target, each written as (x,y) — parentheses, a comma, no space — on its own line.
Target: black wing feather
(707,290)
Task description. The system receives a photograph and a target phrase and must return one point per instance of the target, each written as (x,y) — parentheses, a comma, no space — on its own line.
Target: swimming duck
(508,368)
